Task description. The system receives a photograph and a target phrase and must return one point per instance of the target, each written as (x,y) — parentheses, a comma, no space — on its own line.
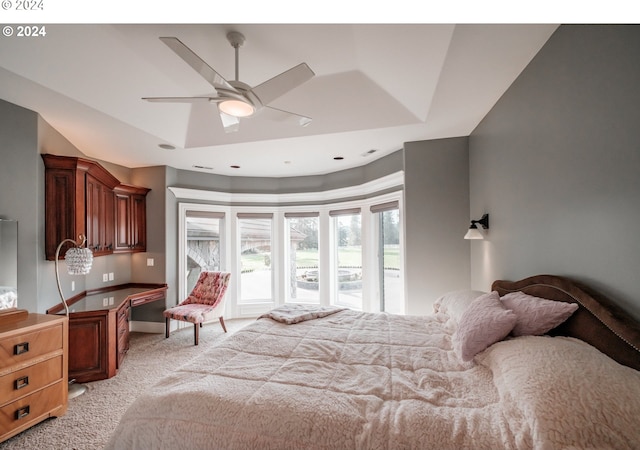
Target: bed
(348,379)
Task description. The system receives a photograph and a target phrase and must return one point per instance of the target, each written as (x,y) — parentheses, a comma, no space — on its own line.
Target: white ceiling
(375,87)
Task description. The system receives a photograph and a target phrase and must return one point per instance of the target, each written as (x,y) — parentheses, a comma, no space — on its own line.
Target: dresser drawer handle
(22,412)
(21,383)
(21,348)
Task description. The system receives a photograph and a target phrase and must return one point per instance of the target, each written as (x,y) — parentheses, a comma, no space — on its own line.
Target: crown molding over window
(394,180)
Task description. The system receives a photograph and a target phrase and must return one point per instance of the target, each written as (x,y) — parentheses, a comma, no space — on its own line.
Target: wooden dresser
(33,371)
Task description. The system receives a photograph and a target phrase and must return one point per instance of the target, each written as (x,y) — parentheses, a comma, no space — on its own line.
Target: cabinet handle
(21,348)
(22,412)
(21,382)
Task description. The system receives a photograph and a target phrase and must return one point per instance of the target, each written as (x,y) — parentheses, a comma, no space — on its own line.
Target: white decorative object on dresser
(33,369)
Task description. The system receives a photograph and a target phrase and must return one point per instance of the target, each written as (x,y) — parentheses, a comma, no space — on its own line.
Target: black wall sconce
(477,228)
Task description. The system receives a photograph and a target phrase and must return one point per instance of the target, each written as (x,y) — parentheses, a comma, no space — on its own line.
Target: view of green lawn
(347,256)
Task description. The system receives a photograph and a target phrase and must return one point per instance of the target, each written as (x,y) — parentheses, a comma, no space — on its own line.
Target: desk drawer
(23,382)
(17,349)
(148,298)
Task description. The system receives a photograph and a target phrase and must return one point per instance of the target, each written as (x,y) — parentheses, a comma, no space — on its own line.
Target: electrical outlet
(111,300)
(73,285)
(111,276)
(150,261)
(105,301)
(105,277)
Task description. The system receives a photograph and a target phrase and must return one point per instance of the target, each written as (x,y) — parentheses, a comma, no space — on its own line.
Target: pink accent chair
(206,302)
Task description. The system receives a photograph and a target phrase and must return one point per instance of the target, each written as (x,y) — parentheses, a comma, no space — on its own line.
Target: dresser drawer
(17,349)
(26,411)
(24,381)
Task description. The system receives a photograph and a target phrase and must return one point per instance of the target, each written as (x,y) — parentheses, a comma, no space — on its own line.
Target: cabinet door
(108,233)
(130,221)
(89,348)
(61,206)
(139,222)
(94,191)
(99,208)
(123,222)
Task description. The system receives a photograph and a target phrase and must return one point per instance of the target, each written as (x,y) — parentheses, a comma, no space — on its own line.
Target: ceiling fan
(236,99)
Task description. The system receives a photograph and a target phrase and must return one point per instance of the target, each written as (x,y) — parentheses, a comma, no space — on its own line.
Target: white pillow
(455,303)
(536,316)
(485,322)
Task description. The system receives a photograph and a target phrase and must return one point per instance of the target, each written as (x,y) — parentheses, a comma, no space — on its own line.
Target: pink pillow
(485,322)
(536,315)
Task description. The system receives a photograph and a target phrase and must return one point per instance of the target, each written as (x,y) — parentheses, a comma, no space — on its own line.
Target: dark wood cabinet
(100,216)
(131,219)
(99,328)
(83,198)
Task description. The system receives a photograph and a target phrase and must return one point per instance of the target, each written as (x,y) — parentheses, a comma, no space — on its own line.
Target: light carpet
(92,417)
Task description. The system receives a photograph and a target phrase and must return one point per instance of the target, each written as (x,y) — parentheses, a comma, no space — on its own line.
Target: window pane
(255,259)
(203,247)
(392,300)
(348,268)
(303,258)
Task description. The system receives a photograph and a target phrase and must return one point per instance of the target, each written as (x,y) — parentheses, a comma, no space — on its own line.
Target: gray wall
(556,163)
(436,217)
(20,194)
(161,234)
(315,183)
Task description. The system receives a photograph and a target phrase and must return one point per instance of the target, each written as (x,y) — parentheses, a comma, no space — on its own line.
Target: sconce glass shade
(79,260)
(477,228)
(236,108)
(474,233)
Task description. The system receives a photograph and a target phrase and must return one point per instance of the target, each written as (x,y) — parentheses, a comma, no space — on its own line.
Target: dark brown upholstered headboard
(597,321)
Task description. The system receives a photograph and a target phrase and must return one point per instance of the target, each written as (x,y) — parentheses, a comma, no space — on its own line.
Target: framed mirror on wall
(8,264)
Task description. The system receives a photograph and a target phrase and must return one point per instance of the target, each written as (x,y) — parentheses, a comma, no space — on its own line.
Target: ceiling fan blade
(279,115)
(181,99)
(231,124)
(283,83)
(196,63)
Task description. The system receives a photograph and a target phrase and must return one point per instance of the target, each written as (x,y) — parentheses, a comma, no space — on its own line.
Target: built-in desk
(99,327)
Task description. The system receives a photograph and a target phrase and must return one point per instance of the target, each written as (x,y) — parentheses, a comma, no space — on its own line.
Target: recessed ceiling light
(287,162)
(338,158)
(370,152)
(166,146)
(235,167)
(202,167)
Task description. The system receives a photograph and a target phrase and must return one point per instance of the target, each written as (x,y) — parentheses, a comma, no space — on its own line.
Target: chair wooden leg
(222,323)
(196,330)
(166,333)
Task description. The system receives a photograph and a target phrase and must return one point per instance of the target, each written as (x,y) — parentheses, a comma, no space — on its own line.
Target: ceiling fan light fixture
(236,108)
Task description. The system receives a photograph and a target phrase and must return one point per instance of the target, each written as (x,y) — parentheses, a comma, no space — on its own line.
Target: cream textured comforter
(356,380)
